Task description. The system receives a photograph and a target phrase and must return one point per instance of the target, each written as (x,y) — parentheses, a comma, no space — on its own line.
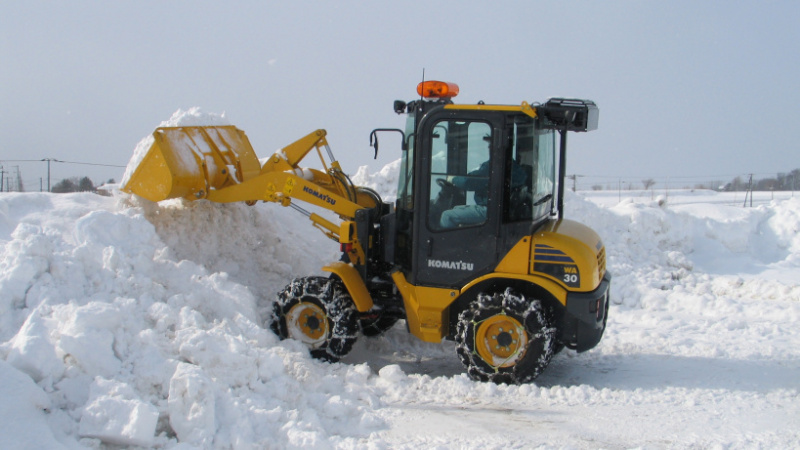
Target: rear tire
(505,337)
(377,324)
(318,312)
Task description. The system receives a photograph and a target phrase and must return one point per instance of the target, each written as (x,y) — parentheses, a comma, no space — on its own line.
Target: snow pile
(135,345)
(384,181)
(128,323)
(714,239)
(695,273)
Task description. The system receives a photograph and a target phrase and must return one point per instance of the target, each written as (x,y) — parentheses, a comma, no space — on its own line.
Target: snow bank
(694,273)
(384,181)
(696,238)
(138,333)
(126,323)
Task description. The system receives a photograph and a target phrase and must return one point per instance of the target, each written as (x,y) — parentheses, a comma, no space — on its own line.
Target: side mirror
(373,138)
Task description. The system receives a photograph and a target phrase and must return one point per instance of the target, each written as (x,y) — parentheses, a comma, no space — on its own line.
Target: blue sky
(687,90)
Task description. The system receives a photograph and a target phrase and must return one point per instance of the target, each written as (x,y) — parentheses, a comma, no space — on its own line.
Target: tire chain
(339,308)
(533,318)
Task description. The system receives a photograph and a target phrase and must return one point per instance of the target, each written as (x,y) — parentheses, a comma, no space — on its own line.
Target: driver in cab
(478,182)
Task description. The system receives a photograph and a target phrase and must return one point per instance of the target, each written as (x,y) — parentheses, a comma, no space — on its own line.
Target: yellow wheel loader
(475,248)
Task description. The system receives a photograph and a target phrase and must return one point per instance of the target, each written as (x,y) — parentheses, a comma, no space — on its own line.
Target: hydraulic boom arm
(218,163)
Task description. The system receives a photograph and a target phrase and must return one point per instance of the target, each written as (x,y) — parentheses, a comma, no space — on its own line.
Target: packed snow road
(126,323)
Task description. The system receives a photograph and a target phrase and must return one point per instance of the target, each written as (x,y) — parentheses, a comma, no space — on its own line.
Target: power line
(53,160)
(673,177)
(89,164)
(60,161)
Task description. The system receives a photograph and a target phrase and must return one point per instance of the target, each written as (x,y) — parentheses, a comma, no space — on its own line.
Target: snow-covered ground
(126,323)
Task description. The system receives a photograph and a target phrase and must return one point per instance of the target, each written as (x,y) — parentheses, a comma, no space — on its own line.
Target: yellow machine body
(566,250)
(218,163)
(558,265)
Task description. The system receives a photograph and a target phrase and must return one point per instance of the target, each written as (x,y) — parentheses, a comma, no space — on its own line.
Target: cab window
(528,192)
(459,177)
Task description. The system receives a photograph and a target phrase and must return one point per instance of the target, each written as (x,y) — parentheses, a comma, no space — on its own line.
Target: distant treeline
(789,181)
(782,182)
(75,184)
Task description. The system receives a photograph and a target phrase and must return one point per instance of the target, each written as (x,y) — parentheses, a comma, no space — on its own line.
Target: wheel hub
(312,322)
(308,323)
(505,339)
(501,340)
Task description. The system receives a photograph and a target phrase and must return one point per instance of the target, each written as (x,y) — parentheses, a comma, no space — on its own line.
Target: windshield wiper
(543,199)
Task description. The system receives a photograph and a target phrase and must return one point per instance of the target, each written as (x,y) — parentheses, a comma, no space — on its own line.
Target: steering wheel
(444,184)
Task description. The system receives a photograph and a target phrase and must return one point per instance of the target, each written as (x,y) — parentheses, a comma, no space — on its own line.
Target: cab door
(457,220)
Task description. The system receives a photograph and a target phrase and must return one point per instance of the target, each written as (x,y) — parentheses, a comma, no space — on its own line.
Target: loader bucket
(186,162)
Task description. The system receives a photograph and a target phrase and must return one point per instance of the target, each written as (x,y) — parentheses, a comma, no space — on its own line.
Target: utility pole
(20,188)
(48,172)
(574,179)
(749,191)
(2,174)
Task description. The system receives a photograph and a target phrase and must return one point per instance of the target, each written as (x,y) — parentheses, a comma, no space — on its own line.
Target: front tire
(318,312)
(505,337)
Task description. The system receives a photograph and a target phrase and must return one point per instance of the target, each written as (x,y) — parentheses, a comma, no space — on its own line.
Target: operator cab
(485,177)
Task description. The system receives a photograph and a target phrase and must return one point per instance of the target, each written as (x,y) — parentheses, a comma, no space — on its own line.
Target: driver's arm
(474,180)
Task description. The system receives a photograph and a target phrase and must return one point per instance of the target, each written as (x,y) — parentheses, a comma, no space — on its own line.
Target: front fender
(353,282)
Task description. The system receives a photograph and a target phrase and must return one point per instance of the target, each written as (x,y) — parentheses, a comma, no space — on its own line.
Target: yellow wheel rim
(308,323)
(500,340)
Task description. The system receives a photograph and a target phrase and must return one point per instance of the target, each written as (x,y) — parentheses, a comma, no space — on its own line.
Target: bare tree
(73,184)
(85,185)
(65,185)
